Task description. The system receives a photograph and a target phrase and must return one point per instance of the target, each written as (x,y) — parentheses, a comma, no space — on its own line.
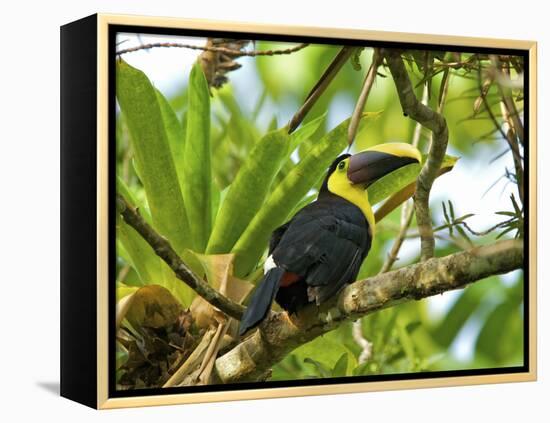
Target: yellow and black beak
(372,164)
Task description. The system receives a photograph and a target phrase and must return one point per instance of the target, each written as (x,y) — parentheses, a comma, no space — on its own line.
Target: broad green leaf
(178,288)
(143,258)
(197,169)
(468,302)
(341,367)
(326,351)
(399,179)
(125,191)
(138,102)
(247,193)
(305,132)
(175,133)
(321,369)
(123,290)
(406,342)
(149,267)
(496,343)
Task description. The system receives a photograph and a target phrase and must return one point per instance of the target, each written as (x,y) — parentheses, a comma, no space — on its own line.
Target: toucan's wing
(276,237)
(320,292)
(325,244)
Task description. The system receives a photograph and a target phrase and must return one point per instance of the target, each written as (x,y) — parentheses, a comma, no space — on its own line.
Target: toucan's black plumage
(321,249)
(324,244)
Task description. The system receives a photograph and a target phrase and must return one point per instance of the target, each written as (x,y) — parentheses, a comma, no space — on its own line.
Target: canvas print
(304,211)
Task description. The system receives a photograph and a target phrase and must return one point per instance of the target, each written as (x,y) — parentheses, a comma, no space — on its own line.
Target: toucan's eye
(342,165)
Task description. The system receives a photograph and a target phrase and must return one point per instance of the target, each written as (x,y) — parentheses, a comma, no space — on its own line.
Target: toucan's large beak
(372,164)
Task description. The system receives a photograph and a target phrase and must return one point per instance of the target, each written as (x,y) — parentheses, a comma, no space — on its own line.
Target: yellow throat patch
(339,184)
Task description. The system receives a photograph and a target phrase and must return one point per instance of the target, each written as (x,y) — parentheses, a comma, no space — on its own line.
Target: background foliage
(179,152)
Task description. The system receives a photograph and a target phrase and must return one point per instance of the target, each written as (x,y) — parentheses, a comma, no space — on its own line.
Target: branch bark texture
(166,252)
(278,335)
(436,123)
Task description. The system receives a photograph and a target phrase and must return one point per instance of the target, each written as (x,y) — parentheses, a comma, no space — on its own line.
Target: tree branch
(407,207)
(365,91)
(279,334)
(164,250)
(224,50)
(440,135)
(319,88)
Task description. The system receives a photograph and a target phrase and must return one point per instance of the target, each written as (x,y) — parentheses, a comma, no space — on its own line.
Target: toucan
(321,249)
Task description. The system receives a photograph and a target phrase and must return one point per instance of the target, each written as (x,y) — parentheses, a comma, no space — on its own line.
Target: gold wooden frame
(103,22)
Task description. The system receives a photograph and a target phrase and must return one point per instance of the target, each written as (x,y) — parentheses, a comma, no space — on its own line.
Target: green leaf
(125,191)
(463,234)
(412,326)
(248,192)
(175,133)
(463,218)
(305,132)
(466,305)
(451,210)
(143,258)
(341,366)
(447,218)
(328,352)
(506,213)
(510,229)
(138,101)
(123,290)
(492,339)
(322,370)
(406,342)
(400,178)
(197,170)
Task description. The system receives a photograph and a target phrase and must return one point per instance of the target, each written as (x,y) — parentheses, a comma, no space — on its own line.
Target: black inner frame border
(113,30)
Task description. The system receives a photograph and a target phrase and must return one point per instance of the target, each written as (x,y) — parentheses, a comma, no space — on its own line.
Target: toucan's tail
(261,300)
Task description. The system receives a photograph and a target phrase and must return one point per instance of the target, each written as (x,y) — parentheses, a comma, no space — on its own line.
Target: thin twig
(319,88)
(164,250)
(493,118)
(515,122)
(484,91)
(514,130)
(466,226)
(406,218)
(362,100)
(224,50)
(512,141)
(440,135)
(364,343)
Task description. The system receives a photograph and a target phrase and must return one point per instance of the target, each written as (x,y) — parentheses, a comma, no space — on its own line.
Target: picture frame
(90,207)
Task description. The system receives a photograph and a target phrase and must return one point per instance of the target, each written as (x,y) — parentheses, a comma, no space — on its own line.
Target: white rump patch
(269,264)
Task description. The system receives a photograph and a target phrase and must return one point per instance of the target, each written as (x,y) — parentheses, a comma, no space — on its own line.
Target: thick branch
(279,334)
(164,250)
(440,135)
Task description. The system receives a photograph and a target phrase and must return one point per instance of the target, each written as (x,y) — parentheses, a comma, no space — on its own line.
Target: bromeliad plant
(222,236)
